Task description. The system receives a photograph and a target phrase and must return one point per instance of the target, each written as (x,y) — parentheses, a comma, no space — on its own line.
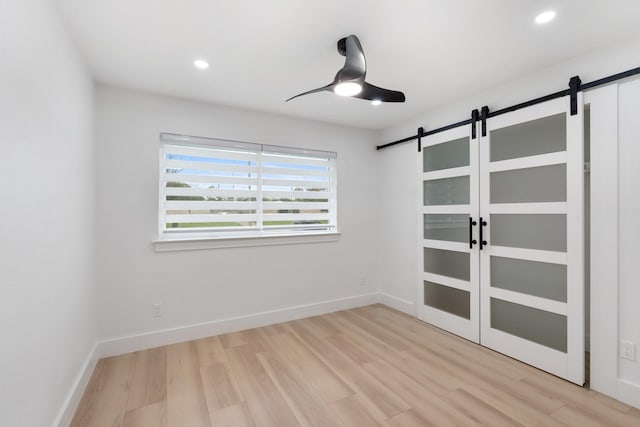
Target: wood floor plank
(210,351)
(612,403)
(571,416)
(419,398)
(330,386)
(384,402)
(145,416)
(264,400)
(232,416)
(470,375)
(219,389)
(368,366)
(186,404)
(105,401)
(479,410)
(581,399)
(354,412)
(410,418)
(302,398)
(391,339)
(149,383)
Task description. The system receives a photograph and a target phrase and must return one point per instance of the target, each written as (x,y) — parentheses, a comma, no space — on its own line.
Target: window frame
(244,236)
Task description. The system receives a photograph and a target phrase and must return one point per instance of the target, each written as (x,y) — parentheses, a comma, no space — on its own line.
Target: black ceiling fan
(349,80)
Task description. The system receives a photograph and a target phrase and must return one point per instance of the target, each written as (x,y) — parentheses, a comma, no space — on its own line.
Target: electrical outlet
(156,310)
(362,281)
(627,350)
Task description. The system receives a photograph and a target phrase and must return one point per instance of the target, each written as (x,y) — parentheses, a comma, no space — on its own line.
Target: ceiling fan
(349,80)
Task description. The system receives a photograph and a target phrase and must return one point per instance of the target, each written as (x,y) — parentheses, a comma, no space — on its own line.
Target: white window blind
(218,188)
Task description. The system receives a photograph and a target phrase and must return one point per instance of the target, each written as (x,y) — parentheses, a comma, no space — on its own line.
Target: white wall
(397,255)
(47,294)
(209,285)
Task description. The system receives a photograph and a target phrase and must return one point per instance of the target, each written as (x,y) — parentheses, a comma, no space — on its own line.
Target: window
(216,188)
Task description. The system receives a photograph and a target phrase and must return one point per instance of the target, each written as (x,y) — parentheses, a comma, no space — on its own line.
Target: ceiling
(263,52)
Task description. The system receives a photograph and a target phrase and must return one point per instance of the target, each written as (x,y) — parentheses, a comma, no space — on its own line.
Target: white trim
(628,393)
(529,162)
(575,242)
(196,244)
(527,254)
(529,208)
(446,245)
(446,173)
(529,300)
(68,409)
(399,304)
(130,343)
(463,285)
(443,209)
(604,239)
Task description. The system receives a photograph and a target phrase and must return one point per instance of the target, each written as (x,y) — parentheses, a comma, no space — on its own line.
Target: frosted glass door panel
(547,232)
(540,184)
(453,228)
(539,279)
(532,324)
(542,136)
(447,263)
(446,191)
(452,154)
(451,300)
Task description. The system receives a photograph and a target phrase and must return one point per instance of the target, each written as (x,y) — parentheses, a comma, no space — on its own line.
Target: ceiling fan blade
(320,89)
(373,93)
(355,65)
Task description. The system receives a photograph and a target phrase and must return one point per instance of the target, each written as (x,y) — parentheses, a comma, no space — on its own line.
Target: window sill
(195,244)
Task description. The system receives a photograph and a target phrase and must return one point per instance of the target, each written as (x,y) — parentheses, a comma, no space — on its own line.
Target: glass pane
(454,228)
(451,300)
(546,135)
(547,232)
(540,184)
(452,154)
(447,263)
(542,327)
(539,279)
(447,191)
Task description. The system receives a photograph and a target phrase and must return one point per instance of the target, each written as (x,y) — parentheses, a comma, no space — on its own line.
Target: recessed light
(347,89)
(201,64)
(545,17)
(376,102)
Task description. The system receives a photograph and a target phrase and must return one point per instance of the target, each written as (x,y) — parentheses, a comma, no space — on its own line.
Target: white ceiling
(263,52)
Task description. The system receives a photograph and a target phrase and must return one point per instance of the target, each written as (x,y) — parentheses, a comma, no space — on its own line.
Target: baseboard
(398,303)
(77,389)
(144,341)
(629,393)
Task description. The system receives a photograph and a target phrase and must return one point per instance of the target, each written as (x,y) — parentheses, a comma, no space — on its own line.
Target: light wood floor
(368,366)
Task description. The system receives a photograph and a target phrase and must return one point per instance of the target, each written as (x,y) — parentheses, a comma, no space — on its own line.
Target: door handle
(482,241)
(471,239)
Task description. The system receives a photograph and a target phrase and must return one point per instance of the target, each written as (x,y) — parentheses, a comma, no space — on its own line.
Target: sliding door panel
(449,205)
(531,271)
